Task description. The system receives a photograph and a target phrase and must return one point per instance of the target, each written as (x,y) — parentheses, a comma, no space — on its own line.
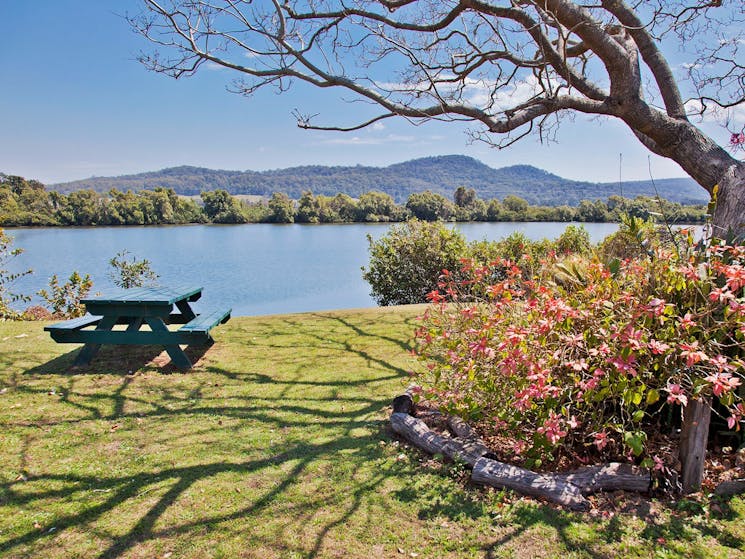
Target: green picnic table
(134,308)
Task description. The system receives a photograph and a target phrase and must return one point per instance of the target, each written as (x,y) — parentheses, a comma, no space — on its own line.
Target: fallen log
(418,433)
(547,486)
(729,488)
(610,477)
(568,489)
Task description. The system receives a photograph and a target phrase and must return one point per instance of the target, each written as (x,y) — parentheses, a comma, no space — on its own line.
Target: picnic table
(134,308)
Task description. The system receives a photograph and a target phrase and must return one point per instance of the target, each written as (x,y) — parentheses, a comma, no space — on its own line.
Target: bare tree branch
(510,67)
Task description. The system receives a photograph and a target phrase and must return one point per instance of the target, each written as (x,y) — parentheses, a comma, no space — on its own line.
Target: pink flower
(656,307)
(659,465)
(551,428)
(687,321)
(722,382)
(692,353)
(435,296)
(733,421)
(721,294)
(676,395)
(601,440)
(657,347)
(519,447)
(624,365)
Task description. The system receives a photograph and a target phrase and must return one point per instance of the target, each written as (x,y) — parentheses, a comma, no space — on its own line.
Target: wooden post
(693,440)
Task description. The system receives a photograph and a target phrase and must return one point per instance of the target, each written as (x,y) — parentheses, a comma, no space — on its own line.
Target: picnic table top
(144,295)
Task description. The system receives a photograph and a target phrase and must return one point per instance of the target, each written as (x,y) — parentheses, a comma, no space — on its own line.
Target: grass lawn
(275,445)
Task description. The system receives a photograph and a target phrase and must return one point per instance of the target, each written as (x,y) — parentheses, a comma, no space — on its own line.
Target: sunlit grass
(275,445)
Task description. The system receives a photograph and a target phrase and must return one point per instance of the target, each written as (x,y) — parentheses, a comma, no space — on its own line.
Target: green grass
(275,445)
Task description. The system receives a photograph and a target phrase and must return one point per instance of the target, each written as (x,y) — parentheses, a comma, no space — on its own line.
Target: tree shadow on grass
(284,401)
(124,491)
(118,359)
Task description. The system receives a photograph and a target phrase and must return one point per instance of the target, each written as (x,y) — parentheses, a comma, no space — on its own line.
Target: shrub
(406,263)
(64,300)
(575,240)
(128,273)
(586,369)
(7,297)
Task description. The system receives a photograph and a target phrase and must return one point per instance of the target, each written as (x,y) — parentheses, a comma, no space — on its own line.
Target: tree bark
(693,441)
(546,486)
(417,432)
(729,213)
(729,488)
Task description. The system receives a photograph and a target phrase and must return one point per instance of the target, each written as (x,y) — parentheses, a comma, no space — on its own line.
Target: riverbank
(276,445)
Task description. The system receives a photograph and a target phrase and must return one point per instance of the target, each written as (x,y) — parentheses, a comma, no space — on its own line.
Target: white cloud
(715,114)
(478,92)
(343,140)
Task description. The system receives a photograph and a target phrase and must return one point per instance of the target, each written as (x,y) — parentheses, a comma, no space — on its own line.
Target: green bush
(407,262)
(127,273)
(64,300)
(8,297)
(575,240)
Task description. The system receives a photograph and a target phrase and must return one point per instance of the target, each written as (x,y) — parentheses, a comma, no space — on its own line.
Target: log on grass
(609,477)
(418,433)
(728,488)
(547,486)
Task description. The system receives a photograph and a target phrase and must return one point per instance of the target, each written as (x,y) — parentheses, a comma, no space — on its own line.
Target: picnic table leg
(88,352)
(177,355)
(134,326)
(185,309)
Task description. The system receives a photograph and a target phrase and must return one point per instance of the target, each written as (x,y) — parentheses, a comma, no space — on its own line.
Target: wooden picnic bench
(135,308)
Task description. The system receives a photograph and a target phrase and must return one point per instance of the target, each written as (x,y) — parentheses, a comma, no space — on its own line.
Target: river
(256,268)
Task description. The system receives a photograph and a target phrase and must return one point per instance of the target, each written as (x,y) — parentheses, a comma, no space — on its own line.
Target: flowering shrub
(583,356)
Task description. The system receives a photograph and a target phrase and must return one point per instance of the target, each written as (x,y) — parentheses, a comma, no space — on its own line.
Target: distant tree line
(28,203)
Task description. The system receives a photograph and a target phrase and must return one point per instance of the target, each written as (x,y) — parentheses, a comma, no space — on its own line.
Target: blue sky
(75,103)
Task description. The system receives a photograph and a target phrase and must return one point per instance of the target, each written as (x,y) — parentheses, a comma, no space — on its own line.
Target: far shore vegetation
(26,203)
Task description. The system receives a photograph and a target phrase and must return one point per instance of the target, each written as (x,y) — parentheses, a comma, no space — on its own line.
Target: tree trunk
(693,440)
(729,214)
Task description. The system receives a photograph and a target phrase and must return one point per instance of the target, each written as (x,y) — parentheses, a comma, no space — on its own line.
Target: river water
(255,268)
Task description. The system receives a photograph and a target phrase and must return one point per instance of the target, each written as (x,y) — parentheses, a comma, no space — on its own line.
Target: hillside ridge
(441,174)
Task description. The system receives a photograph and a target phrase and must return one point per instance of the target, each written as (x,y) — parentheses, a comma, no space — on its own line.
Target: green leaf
(638,416)
(635,441)
(652,396)
(614,266)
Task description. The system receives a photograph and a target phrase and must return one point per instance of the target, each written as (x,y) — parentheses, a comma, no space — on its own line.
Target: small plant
(64,300)
(130,272)
(7,297)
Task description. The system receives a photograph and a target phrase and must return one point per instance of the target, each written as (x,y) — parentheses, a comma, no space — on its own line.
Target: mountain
(442,174)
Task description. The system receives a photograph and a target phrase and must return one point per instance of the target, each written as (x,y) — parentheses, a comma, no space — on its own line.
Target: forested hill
(441,174)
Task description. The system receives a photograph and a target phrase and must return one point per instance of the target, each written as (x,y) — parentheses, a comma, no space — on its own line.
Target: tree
(8,297)
(377,206)
(282,208)
(430,206)
(507,67)
(221,207)
(308,208)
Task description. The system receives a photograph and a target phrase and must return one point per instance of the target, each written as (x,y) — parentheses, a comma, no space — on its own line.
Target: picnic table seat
(200,325)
